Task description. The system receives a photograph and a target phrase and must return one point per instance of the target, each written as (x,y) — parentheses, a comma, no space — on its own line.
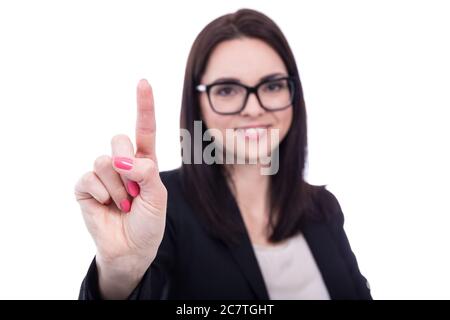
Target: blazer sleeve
(155,281)
(337,228)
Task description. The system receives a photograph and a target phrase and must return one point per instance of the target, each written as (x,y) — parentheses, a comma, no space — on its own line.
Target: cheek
(212,120)
(284,121)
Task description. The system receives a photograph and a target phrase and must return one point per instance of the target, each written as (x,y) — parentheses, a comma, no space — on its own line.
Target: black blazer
(192,264)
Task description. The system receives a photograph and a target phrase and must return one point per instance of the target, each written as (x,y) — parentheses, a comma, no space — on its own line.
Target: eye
(225,90)
(274,86)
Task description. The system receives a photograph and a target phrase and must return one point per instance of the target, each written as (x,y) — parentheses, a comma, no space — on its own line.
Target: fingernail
(143,83)
(125,205)
(123,163)
(133,188)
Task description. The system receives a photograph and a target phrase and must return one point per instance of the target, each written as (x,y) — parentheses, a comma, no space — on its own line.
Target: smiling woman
(220,230)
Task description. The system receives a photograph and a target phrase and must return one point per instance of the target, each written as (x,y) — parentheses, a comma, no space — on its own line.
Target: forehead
(245,59)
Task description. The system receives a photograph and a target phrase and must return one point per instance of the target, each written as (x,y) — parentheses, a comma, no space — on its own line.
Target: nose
(252,107)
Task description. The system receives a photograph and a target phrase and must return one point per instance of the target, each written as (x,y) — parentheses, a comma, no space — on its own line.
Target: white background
(376,79)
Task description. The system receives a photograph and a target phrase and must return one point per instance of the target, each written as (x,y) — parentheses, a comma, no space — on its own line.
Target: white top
(290,271)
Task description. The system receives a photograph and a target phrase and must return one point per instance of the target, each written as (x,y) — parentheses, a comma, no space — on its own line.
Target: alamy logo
(221,149)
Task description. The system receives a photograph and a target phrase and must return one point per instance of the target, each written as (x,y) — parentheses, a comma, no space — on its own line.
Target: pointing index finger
(145,122)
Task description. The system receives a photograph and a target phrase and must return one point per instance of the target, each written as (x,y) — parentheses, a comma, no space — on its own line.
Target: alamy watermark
(267,153)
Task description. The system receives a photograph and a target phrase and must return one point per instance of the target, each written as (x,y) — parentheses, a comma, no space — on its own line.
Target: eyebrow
(267,77)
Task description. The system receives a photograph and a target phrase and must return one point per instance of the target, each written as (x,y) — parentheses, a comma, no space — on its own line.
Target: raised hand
(123,202)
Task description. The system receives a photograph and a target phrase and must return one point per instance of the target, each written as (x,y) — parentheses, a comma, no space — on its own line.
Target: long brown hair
(205,185)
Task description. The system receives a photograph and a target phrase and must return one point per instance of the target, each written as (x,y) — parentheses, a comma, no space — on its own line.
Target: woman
(220,230)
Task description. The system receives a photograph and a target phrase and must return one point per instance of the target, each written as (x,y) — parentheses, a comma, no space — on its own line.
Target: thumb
(145,172)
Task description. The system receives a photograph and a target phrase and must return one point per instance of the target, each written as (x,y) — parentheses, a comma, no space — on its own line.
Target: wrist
(119,276)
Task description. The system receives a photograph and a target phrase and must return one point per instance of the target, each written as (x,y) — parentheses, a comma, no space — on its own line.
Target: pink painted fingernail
(123,163)
(125,205)
(133,188)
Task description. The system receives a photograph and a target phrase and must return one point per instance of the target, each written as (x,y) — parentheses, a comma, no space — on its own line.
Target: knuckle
(87,179)
(77,191)
(82,185)
(102,162)
(119,139)
(148,166)
(119,192)
(78,185)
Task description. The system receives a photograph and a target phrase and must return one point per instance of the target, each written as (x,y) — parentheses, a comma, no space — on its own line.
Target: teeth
(252,132)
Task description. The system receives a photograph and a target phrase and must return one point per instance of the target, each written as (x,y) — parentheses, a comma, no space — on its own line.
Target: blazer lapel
(330,261)
(244,255)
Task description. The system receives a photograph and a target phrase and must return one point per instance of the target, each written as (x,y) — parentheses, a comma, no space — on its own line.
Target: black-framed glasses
(230,97)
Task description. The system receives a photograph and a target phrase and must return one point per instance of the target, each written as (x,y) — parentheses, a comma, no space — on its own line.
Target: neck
(251,188)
